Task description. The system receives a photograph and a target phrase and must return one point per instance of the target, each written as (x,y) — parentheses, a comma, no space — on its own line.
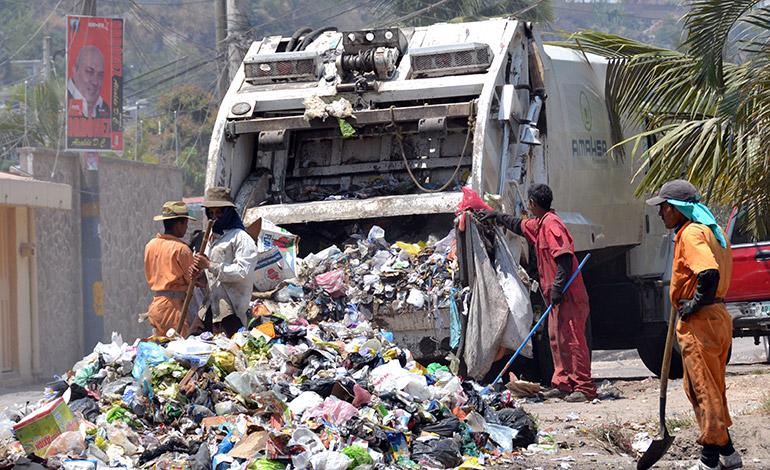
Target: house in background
(20,197)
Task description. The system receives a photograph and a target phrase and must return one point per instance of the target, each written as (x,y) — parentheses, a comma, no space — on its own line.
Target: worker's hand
(556,295)
(201,262)
(687,308)
(488,215)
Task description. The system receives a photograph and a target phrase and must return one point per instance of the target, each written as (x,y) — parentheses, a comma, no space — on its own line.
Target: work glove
(556,296)
(705,291)
(688,307)
(492,216)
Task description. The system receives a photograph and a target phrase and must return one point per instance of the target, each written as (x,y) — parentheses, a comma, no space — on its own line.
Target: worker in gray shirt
(229,263)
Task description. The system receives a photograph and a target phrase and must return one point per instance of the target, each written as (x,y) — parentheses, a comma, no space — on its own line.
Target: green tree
(44,115)
(709,118)
(195,115)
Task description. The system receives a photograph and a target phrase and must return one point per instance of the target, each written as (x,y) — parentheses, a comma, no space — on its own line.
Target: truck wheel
(650,347)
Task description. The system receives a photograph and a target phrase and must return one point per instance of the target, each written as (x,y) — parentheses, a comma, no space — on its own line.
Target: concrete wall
(130,194)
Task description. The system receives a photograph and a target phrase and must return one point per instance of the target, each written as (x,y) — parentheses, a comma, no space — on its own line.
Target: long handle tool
(191,286)
(659,447)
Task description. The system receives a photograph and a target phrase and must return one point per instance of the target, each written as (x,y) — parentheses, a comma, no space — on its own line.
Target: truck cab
(748,298)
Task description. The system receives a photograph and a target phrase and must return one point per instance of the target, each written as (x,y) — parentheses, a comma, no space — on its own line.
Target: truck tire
(650,347)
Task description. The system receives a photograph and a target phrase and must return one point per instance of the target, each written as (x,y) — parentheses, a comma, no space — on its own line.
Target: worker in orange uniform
(556,262)
(167,261)
(700,277)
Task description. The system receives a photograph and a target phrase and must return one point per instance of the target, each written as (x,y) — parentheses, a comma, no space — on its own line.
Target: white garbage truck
(428,110)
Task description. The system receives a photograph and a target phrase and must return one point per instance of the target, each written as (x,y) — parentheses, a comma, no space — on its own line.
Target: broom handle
(191,286)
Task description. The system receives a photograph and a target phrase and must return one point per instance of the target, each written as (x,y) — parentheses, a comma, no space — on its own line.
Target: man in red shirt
(556,262)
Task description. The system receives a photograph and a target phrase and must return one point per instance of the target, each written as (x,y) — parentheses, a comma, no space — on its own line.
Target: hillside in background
(172,61)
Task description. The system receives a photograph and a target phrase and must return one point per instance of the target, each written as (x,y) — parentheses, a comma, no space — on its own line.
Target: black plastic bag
(445,427)
(198,412)
(201,460)
(370,433)
(518,419)
(444,452)
(322,387)
(87,407)
(474,399)
(174,444)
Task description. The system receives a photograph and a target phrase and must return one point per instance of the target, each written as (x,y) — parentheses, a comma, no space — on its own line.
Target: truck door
(751,265)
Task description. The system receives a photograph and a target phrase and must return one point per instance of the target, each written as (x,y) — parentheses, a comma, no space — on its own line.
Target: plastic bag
(265,464)
(502,435)
(88,407)
(518,419)
(416,298)
(376,233)
(337,411)
(472,201)
(359,455)
(330,461)
(67,443)
(305,401)
(333,282)
(147,355)
(444,428)
(361,397)
(120,435)
(437,453)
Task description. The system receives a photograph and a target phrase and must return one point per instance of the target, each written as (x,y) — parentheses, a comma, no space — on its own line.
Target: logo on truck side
(585,111)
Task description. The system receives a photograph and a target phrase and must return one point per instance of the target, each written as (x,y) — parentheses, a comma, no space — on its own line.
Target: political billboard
(94,83)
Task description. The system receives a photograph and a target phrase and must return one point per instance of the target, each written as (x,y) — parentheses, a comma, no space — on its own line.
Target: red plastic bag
(472,201)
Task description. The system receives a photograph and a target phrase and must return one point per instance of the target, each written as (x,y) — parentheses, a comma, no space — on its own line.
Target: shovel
(659,447)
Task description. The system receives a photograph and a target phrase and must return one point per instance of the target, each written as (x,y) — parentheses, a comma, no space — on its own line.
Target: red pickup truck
(748,299)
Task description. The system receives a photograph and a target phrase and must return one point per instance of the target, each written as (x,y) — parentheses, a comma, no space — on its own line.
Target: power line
(37,31)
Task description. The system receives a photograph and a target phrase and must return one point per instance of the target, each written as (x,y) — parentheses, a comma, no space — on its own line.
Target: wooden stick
(188,295)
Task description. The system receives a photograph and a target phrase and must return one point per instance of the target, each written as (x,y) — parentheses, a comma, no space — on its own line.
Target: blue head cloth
(700,214)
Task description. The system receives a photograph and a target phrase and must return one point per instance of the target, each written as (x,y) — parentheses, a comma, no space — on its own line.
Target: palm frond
(708,24)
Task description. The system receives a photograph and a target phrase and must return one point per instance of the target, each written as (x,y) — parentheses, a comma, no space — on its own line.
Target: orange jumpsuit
(166,263)
(706,335)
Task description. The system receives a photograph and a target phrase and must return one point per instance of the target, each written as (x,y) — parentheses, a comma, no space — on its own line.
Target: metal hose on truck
(400,139)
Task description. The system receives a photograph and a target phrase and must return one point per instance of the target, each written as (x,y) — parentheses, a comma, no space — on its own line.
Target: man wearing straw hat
(167,261)
(230,262)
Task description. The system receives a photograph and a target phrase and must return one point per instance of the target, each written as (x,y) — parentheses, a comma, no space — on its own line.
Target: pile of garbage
(330,395)
(370,277)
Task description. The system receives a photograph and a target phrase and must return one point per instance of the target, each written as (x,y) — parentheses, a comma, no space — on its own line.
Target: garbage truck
(352,128)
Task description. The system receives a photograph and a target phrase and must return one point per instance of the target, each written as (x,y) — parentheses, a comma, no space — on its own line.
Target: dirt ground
(600,435)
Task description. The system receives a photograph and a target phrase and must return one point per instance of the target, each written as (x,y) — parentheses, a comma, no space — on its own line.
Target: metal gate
(9,360)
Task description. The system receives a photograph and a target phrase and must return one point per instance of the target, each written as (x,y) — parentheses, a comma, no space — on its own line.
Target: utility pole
(136,132)
(26,112)
(220,16)
(176,141)
(237,29)
(90,239)
(88,8)
(47,63)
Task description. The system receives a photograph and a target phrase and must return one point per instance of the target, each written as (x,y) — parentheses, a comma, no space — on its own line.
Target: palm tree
(44,116)
(708,118)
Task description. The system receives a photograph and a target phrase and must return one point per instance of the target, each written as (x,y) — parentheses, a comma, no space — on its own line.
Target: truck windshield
(741,232)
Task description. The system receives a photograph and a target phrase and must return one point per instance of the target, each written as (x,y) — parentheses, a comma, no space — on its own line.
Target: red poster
(94,83)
